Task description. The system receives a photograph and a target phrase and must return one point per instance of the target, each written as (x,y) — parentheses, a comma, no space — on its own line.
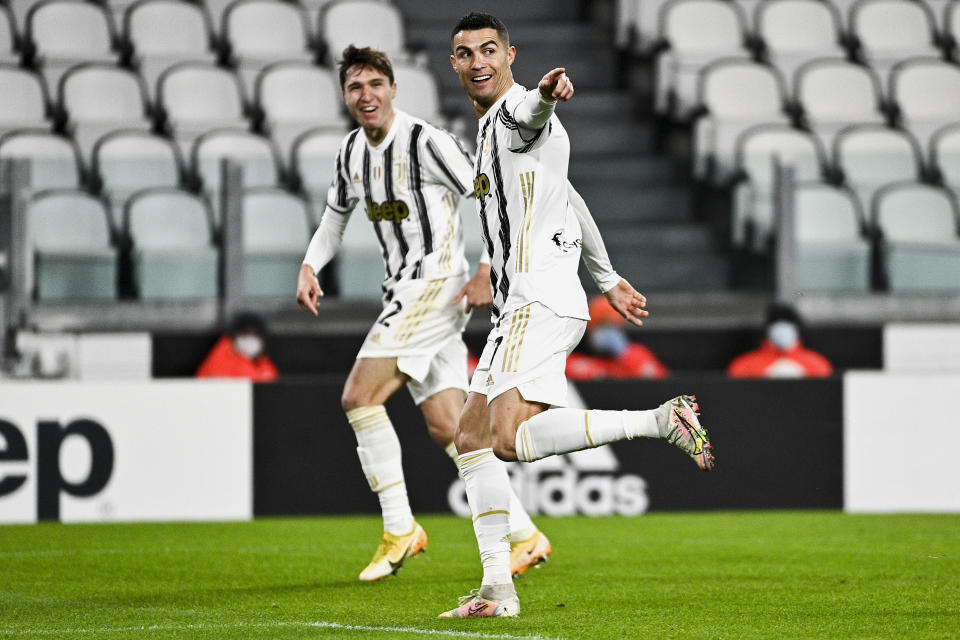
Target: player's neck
(376,135)
(483,108)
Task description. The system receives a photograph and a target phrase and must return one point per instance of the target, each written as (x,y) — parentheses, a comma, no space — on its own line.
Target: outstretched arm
(538,106)
(323,247)
(622,296)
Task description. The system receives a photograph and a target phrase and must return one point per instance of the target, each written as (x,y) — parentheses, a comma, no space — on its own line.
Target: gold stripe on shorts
(518,330)
(419,310)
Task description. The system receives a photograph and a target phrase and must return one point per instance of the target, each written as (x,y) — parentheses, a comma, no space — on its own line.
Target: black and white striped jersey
(410,186)
(531,234)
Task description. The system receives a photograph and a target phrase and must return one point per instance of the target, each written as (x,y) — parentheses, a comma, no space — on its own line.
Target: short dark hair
(780,311)
(365,57)
(247,322)
(476,21)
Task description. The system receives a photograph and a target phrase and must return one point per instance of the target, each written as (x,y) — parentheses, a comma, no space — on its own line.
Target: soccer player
(539,309)
(410,176)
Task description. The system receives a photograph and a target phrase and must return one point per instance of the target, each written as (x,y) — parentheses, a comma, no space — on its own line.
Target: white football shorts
(422,329)
(527,351)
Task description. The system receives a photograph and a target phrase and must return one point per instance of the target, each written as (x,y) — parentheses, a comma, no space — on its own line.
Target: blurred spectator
(782,354)
(241,352)
(613,355)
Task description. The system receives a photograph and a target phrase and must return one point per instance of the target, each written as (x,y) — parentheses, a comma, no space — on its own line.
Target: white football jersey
(531,234)
(411,184)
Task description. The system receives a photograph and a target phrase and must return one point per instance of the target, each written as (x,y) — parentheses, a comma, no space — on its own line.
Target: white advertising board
(900,442)
(126,451)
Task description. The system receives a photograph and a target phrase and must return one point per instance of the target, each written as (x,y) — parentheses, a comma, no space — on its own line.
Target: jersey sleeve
(448,162)
(529,119)
(341,196)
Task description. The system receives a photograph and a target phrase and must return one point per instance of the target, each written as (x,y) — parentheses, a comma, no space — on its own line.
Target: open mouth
(479,79)
(368,109)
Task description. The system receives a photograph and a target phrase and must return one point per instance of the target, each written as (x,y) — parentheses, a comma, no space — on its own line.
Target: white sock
(521,526)
(488,493)
(379,452)
(565,430)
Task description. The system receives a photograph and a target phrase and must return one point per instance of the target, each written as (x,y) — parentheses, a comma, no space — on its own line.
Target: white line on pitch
(269,625)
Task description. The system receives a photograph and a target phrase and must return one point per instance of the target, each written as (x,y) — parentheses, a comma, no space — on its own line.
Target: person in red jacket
(782,354)
(615,356)
(240,353)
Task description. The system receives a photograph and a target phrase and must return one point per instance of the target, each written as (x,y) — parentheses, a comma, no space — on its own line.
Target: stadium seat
(886,32)
(276,230)
(256,154)
(749,8)
(753,196)
(362,22)
(170,235)
(314,159)
(735,95)
(216,10)
(417,93)
(259,32)
(23,99)
(197,97)
(162,33)
(872,156)
(89,115)
(951,27)
(63,33)
(295,97)
(636,24)
(73,256)
(927,96)
(917,225)
(794,32)
(125,162)
(54,160)
(9,40)
(833,94)
(696,33)
(19,10)
(832,252)
(945,157)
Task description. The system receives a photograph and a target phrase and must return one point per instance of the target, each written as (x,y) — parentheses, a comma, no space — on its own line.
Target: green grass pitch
(689,575)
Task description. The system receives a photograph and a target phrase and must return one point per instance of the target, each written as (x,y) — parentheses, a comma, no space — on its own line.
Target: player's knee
(442,433)
(351,400)
(504,447)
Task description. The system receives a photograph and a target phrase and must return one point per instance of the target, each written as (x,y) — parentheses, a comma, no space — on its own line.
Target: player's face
(369,96)
(483,62)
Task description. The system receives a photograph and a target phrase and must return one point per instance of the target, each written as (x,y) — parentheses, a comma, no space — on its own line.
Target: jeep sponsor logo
(51,481)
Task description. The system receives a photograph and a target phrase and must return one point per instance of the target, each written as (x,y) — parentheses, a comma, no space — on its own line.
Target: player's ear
(511,54)
(393,90)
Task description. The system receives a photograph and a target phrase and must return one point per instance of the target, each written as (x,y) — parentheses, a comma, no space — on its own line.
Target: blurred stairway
(642,201)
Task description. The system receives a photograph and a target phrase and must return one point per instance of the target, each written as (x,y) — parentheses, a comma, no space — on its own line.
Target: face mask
(609,341)
(248,344)
(783,334)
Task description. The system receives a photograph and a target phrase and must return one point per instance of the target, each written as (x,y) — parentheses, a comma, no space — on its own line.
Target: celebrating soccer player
(533,229)
(410,176)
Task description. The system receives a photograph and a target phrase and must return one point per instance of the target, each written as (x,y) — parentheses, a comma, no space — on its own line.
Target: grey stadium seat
(90,115)
(835,94)
(128,161)
(918,226)
(257,156)
(276,230)
(736,95)
(795,32)
(295,97)
(198,97)
(171,245)
(873,156)
(696,32)
(54,160)
(313,160)
(945,157)
(889,31)
(832,252)
(927,95)
(753,198)
(23,99)
(64,33)
(370,22)
(260,32)
(73,256)
(162,33)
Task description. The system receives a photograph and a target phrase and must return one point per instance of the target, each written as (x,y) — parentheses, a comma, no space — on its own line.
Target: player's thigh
(441,411)
(371,382)
(473,431)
